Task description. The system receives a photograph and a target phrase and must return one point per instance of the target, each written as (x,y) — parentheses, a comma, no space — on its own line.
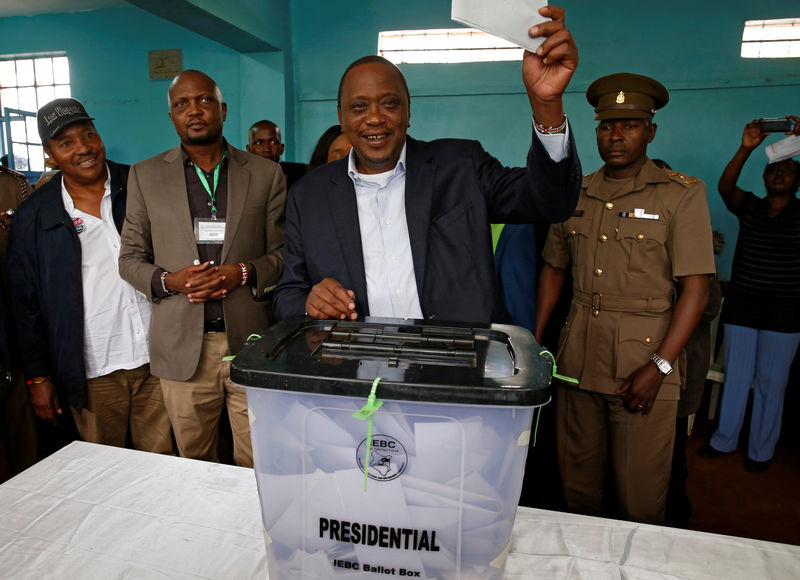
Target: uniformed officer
(17,432)
(641,252)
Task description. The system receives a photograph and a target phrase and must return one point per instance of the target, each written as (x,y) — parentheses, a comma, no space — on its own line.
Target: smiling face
(79,153)
(374,115)
(622,144)
(196,109)
(265,140)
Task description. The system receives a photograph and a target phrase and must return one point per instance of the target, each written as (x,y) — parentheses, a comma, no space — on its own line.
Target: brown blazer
(158,233)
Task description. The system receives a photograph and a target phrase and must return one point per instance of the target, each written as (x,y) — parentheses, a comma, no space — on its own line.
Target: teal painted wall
(265,19)
(692,47)
(108,51)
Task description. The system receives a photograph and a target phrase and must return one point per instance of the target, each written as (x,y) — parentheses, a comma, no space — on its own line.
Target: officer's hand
(44,400)
(329,299)
(547,72)
(640,389)
(753,136)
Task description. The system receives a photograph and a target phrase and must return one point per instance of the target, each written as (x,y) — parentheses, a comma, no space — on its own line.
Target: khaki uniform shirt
(625,269)
(13,189)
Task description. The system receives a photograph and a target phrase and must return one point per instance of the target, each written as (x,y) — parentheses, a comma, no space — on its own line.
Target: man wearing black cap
(82,329)
(639,237)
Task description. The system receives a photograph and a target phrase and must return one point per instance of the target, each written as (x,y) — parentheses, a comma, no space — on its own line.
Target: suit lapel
(173,188)
(238,189)
(420,174)
(344,213)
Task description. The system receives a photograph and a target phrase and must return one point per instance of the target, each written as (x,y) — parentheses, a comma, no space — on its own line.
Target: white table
(98,512)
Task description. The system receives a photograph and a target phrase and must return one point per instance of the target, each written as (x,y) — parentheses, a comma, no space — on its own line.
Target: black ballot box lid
(416,360)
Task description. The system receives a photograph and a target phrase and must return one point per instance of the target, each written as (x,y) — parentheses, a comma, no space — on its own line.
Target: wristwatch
(663,364)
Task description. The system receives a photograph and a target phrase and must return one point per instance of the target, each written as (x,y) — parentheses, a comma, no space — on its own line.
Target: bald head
(194,74)
(196,109)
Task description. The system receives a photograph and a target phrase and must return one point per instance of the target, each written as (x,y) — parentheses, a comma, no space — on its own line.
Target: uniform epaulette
(21,179)
(686,180)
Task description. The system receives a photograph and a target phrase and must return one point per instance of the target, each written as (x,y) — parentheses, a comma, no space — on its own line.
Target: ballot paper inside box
(444,463)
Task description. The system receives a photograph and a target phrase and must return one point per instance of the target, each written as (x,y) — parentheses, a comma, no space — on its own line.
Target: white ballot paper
(783,149)
(508,19)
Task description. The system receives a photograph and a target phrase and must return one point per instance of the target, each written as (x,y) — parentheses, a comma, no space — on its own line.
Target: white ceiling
(31,7)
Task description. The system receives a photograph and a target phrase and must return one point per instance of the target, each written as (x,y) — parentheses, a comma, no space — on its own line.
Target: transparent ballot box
(420,480)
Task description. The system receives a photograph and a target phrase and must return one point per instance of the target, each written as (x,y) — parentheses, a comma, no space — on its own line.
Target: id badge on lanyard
(210,230)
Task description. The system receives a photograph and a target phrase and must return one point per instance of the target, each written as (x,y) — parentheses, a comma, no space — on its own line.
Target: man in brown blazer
(203,239)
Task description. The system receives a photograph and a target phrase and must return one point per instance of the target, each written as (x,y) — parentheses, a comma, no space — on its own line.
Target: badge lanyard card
(210,230)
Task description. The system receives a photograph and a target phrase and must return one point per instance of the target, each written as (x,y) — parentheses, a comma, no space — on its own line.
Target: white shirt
(388,263)
(557,145)
(116,316)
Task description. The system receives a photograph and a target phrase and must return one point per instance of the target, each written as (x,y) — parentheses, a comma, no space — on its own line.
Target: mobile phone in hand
(775,125)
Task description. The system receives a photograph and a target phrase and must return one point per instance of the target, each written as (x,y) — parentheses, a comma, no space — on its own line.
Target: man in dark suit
(204,223)
(400,228)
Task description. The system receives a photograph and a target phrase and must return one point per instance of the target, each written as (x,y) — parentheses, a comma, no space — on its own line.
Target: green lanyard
(212,193)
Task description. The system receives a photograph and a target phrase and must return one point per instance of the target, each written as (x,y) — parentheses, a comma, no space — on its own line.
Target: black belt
(216,325)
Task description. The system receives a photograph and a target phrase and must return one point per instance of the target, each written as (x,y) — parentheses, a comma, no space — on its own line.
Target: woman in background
(761,313)
(331,146)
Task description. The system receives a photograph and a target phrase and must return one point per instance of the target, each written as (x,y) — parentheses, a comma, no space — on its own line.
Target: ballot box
(422,479)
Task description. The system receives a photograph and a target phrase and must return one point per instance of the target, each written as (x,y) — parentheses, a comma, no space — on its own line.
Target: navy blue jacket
(454,190)
(46,288)
(516,264)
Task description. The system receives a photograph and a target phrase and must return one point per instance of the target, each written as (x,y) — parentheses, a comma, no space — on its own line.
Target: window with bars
(445,45)
(26,83)
(779,38)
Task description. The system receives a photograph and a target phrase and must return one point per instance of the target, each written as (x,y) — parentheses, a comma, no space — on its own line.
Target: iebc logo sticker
(387,458)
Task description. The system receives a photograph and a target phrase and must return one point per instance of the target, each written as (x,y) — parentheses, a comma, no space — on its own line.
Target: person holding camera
(761,313)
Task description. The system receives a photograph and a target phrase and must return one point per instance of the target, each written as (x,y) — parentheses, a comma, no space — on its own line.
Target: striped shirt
(764,291)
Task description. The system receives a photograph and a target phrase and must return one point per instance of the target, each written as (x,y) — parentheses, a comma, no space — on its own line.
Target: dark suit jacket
(158,233)
(454,190)
(293,172)
(516,265)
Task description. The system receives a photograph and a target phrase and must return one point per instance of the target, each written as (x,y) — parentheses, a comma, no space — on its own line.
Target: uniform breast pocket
(644,241)
(576,233)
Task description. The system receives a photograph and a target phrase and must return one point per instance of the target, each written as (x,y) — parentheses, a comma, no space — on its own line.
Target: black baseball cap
(58,114)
